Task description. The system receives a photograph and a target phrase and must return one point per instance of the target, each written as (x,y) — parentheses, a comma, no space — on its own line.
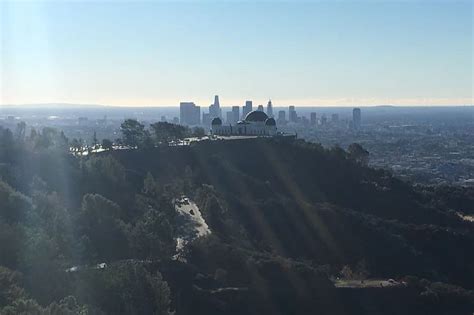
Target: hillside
(287,220)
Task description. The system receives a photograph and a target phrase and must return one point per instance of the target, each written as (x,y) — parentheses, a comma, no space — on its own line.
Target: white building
(256,123)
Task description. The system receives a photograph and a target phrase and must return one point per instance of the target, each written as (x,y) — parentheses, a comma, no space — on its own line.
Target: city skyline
(349,53)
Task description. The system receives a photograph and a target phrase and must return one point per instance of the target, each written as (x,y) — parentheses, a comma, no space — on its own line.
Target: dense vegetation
(97,234)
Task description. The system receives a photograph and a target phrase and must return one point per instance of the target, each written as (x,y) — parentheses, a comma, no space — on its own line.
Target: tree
(198,132)
(358,153)
(164,132)
(149,185)
(152,236)
(127,288)
(76,145)
(107,144)
(133,132)
(104,175)
(7,144)
(94,139)
(14,206)
(103,227)
(21,131)
(10,286)
(147,142)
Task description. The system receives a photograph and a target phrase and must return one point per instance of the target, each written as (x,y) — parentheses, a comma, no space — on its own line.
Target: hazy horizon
(71,105)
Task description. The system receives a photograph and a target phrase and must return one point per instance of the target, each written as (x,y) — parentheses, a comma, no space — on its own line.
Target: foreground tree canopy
(98,234)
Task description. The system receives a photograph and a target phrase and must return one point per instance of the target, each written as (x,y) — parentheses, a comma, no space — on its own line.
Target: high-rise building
(230,118)
(206,119)
(335,118)
(215,109)
(292,116)
(247,108)
(175,120)
(189,113)
(235,114)
(270,109)
(163,118)
(313,119)
(281,117)
(356,118)
(304,121)
(324,120)
(260,108)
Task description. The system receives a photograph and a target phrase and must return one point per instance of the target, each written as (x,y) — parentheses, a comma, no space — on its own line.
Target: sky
(315,53)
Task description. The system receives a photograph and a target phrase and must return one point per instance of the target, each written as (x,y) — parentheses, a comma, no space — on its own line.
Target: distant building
(260,108)
(304,121)
(356,118)
(313,119)
(163,118)
(206,119)
(215,109)
(235,114)
(292,116)
(175,120)
(324,120)
(270,109)
(230,117)
(256,123)
(335,118)
(281,117)
(189,113)
(247,108)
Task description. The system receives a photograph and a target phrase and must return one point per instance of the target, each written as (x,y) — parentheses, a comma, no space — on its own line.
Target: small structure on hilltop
(255,123)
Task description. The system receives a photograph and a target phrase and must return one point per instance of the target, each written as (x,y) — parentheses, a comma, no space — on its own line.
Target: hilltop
(291,228)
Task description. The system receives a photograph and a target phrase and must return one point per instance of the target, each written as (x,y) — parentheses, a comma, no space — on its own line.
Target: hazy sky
(301,53)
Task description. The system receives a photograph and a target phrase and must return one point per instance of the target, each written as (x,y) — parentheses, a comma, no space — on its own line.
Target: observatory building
(255,123)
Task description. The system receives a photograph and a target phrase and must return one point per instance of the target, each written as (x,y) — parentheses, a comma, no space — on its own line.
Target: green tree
(358,153)
(198,132)
(14,206)
(132,132)
(164,132)
(76,145)
(107,144)
(104,229)
(127,288)
(21,131)
(94,139)
(152,236)
(104,175)
(10,286)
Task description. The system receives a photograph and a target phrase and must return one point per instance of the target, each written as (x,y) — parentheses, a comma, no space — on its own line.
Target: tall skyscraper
(324,120)
(269,109)
(260,108)
(292,116)
(235,114)
(281,117)
(206,119)
(189,113)
(230,117)
(215,109)
(356,118)
(246,109)
(313,119)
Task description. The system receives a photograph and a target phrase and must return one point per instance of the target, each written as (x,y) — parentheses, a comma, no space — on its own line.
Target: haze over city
(311,53)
